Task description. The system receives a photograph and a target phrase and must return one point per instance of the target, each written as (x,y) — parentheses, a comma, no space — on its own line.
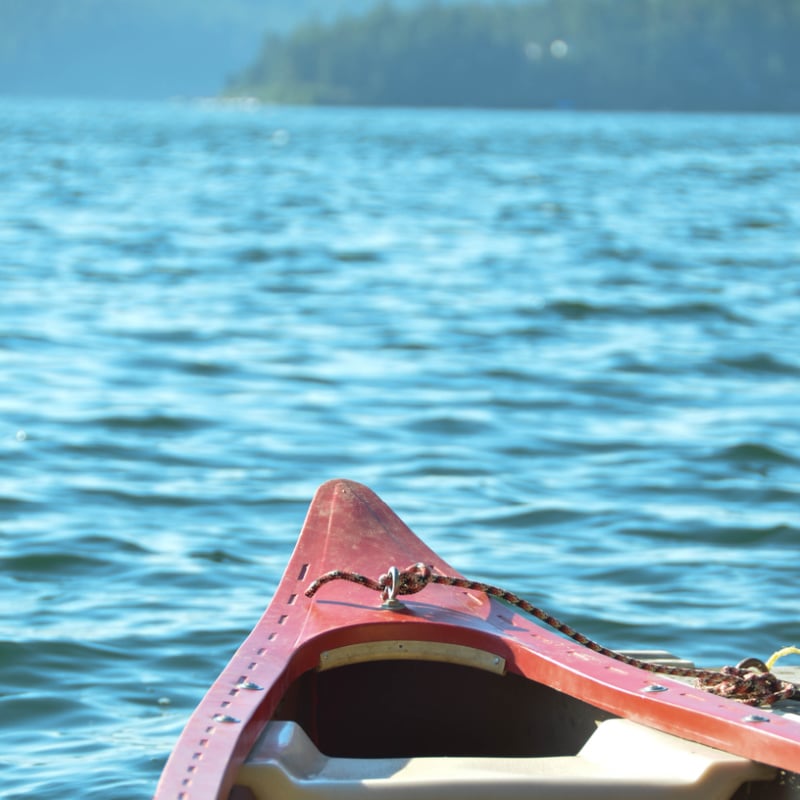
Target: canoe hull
(349,528)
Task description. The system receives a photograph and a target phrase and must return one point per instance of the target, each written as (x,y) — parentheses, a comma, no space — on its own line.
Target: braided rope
(750,682)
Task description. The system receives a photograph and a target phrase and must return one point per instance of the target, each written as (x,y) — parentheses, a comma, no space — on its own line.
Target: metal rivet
(224,718)
(755,718)
(250,685)
(655,687)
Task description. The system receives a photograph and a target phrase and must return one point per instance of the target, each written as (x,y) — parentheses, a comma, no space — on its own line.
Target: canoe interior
(406,709)
(391,709)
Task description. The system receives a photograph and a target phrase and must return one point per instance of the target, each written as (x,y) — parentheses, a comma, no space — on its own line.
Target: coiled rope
(749,682)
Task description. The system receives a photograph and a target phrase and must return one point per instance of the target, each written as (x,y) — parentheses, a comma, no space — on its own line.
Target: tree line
(694,55)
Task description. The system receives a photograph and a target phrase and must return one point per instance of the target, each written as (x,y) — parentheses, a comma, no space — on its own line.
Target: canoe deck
(453,675)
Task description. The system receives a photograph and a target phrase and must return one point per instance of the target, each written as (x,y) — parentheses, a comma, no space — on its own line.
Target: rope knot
(411,580)
(751,684)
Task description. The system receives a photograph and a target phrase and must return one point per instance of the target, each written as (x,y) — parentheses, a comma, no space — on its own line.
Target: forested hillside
(599,54)
(637,54)
(142,48)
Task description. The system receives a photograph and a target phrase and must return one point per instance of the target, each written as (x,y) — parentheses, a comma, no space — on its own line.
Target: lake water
(563,347)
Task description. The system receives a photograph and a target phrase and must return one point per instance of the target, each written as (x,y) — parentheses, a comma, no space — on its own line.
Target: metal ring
(752,663)
(389,595)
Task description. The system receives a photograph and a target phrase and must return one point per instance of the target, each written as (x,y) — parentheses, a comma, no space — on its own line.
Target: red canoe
(454,694)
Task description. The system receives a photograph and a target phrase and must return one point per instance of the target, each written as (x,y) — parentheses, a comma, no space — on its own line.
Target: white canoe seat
(620,760)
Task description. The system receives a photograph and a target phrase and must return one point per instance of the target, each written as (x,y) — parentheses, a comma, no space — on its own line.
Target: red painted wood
(349,527)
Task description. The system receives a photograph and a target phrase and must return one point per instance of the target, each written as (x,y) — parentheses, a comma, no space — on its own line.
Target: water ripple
(561,346)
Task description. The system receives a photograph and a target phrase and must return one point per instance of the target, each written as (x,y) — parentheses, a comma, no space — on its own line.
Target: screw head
(250,685)
(225,718)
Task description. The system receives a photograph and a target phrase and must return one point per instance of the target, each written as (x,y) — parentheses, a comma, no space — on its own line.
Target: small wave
(16,504)
(115,545)
(23,341)
(47,709)
(761,363)
(627,362)
(447,425)
(311,379)
(52,562)
(408,346)
(57,653)
(515,374)
(760,223)
(104,448)
(579,309)
(695,310)
(162,423)
(531,331)
(141,499)
(255,255)
(217,556)
(753,453)
(779,494)
(708,233)
(705,534)
(206,369)
(169,335)
(528,518)
(449,469)
(356,256)
(746,536)
(612,252)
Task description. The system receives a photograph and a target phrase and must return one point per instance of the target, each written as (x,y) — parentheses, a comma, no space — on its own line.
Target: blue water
(562,346)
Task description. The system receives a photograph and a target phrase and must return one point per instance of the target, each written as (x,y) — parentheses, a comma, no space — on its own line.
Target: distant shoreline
(694,56)
(256,103)
(250,104)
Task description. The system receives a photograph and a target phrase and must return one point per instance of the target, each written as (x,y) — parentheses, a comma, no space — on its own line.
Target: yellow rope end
(784,651)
